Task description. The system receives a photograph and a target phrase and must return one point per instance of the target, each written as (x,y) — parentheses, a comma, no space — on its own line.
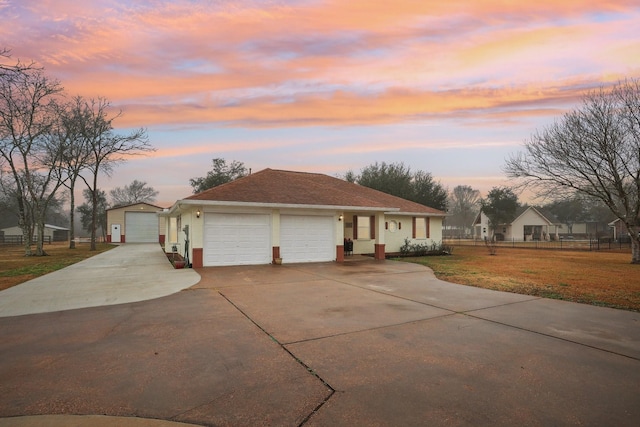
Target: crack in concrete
(551,336)
(308,368)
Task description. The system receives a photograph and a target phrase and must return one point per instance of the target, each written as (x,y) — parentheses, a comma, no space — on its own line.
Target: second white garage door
(141,227)
(307,238)
(236,239)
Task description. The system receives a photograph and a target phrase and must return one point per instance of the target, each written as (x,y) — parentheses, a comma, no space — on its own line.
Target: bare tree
(26,147)
(44,184)
(72,119)
(593,151)
(464,204)
(107,149)
(9,199)
(17,67)
(136,192)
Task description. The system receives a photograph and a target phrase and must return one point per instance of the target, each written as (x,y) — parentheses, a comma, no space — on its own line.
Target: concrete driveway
(127,273)
(363,343)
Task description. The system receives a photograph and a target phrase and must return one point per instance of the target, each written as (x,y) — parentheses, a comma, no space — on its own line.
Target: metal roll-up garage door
(141,227)
(237,239)
(307,238)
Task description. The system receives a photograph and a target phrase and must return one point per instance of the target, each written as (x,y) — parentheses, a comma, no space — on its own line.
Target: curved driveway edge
(128,273)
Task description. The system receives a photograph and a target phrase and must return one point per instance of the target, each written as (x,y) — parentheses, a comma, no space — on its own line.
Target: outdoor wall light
(340,218)
(198,213)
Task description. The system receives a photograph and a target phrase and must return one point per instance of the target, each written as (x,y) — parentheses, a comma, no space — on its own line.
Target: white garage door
(141,227)
(307,238)
(236,239)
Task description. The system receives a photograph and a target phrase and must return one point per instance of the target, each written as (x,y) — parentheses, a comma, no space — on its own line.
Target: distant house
(620,230)
(52,233)
(588,229)
(529,223)
(135,223)
(283,216)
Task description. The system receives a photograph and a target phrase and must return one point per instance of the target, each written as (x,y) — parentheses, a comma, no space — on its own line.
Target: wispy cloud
(333,62)
(265,64)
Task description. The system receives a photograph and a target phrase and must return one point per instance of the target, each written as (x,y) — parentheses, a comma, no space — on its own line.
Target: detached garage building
(294,217)
(136,223)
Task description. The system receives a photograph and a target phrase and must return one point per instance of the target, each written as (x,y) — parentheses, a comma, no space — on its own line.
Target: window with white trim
(364,227)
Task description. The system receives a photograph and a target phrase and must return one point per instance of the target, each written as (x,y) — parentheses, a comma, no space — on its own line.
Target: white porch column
(379,248)
(275,235)
(339,219)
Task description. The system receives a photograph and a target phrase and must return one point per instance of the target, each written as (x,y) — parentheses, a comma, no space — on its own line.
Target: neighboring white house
(295,217)
(53,233)
(529,224)
(620,230)
(136,223)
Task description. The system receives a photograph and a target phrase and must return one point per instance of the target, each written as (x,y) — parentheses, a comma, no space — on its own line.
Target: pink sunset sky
(448,87)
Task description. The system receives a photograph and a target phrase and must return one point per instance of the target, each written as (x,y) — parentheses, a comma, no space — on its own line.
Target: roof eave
(436,214)
(217,203)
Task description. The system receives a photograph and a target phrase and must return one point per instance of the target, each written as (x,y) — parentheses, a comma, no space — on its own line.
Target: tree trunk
(27,232)
(26,237)
(72,200)
(635,246)
(40,243)
(94,211)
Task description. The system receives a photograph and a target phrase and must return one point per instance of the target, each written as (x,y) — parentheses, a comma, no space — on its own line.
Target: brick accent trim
(197,261)
(379,251)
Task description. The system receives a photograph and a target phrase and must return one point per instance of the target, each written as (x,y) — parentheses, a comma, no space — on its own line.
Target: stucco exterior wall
(344,222)
(117,216)
(395,239)
(436,229)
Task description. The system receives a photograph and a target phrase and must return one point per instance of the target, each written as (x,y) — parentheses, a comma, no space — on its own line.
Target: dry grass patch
(15,268)
(598,278)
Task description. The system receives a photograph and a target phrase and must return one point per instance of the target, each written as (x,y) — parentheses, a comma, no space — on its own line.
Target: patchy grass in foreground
(15,268)
(597,278)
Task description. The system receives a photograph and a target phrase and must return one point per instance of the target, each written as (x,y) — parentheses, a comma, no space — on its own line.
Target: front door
(115,233)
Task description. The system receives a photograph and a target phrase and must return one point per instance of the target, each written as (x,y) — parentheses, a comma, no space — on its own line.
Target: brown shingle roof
(302,188)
